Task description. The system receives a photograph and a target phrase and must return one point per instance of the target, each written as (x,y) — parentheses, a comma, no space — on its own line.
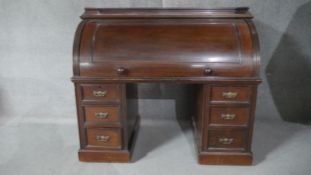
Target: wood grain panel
(242,93)
(166,48)
(215,137)
(113,141)
(167,40)
(102,114)
(224,115)
(112,92)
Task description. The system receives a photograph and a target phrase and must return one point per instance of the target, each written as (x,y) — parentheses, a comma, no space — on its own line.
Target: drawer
(168,68)
(106,92)
(102,114)
(229,115)
(106,138)
(226,139)
(228,93)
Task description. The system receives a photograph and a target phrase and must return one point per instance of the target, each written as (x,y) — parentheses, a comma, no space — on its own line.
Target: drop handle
(101,115)
(230,94)
(102,138)
(121,71)
(207,71)
(99,93)
(226,140)
(228,116)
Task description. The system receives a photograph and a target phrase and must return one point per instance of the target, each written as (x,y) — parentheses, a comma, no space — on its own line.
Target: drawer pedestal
(224,123)
(107,130)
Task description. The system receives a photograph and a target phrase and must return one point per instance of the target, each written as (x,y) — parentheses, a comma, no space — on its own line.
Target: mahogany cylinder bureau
(215,49)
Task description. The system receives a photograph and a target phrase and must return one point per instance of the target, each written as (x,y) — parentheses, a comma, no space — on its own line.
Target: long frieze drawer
(229,115)
(228,93)
(106,92)
(102,114)
(105,138)
(229,139)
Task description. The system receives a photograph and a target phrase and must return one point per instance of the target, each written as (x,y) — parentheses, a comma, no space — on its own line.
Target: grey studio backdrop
(37,104)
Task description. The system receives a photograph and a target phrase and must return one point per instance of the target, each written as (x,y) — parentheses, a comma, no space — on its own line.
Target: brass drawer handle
(103,138)
(99,93)
(228,116)
(225,140)
(229,94)
(101,115)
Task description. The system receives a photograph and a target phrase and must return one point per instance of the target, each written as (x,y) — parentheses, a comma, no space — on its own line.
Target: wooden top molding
(108,13)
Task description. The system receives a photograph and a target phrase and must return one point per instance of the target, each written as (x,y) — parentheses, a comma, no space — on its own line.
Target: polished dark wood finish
(97,13)
(102,114)
(105,138)
(144,43)
(215,49)
(221,158)
(120,156)
(221,94)
(110,92)
(226,139)
(231,116)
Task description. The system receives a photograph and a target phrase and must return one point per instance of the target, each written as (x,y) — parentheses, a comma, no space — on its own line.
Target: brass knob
(225,140)
(208,71)
(101,115)
(121,70)
(99,93)
(229,94)
(103,138)
(228,116)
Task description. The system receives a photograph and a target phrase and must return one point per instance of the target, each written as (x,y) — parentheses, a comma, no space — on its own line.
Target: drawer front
(161,69)
(106,92)
(226,139)
(102,114)
(224,93)
(229,116)
(106,138)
